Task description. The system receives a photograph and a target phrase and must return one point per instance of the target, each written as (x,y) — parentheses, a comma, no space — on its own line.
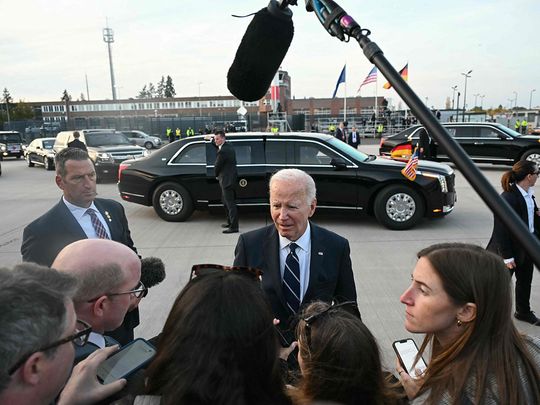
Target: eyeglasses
(203,269)
(349,306)
(536,172)
(138,292)
(79,338)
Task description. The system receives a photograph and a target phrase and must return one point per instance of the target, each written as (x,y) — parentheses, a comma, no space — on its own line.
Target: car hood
(423,165)
(531,137)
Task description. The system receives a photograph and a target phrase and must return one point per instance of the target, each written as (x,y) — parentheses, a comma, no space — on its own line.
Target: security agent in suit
(78,215)
(324,263)
(76,142)
(426,146)
(226,173)
(354,138)
(341,131)
(517,184)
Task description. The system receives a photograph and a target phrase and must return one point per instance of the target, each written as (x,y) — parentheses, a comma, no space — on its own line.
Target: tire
(148,145)
(533,155)
(172,202)
(398,207)
(29,161)
(48,164)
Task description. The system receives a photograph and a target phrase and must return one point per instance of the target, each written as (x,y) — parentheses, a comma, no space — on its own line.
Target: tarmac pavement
(382,259)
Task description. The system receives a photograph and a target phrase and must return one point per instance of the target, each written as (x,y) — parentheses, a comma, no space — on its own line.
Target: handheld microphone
(263,48)
(152,271)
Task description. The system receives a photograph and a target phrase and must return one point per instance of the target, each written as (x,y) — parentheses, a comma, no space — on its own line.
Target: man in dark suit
(225,171)
(354,138)
(517,184)
(341,131)
(426,146)
(76,142)
(301,261)
(78,215)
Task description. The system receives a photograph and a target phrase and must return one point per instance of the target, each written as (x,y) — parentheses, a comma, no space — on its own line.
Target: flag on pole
(340,80)
(403,73)
(371,78)
(409,171)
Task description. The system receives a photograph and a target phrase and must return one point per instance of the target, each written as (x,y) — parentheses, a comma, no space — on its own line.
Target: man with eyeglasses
(78,215)
(39,330)
(109,275)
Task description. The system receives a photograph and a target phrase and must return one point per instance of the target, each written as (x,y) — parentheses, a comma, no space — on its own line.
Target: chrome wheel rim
(171,202)
(534,157)
(400,207)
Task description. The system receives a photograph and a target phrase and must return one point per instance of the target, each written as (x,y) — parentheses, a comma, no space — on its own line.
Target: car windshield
(10,138)
(106,139)
(349,150)
(509,131)
(48,144)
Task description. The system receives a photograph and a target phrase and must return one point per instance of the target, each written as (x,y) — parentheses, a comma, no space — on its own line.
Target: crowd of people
(280,326)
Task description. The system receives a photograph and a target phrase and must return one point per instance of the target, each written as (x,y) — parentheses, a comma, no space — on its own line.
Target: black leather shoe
(225,225)
(230,230)
(529,318)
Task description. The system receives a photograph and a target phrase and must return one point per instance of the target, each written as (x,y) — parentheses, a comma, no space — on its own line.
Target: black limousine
(179,178)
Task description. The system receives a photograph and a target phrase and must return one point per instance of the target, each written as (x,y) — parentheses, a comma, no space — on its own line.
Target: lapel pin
(108,216)
(320,253)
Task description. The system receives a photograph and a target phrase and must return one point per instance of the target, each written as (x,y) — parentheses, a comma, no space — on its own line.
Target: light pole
(530,98)
(515,98)
(454,88)
(476,100)
(457,106)
(108,38)
(511,100)
(200,111)
(482,102)
(467,75)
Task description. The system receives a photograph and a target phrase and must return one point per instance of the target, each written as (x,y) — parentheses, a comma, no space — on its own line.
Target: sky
(49,46)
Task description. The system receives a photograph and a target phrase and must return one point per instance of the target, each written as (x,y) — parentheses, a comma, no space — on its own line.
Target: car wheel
(148,145)
(398,207)
(172,202)
(533,155)
(48,164)
(29,161)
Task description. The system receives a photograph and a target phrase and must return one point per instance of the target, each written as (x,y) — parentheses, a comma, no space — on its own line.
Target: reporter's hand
(285,352)
(410,385)
(83,387)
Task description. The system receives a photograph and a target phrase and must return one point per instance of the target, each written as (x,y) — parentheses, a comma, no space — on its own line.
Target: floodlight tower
(108,37)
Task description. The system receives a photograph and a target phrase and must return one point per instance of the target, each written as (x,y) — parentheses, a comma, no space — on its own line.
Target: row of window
(148,105)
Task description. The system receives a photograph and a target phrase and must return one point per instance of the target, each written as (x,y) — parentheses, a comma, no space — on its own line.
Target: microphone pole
(339,24)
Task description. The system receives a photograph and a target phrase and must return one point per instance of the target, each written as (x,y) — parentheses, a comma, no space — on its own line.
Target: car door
(493,145)
(252,187)
(336,188)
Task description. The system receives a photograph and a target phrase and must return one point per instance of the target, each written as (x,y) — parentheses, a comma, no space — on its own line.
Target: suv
(12,144)
(484,142)
(107,148)
(179,178)
(142,139)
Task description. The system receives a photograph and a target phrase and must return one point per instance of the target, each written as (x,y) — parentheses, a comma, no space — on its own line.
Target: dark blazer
(77,143)
(503,242)
(331,276)
(46,236)
(340,134)
(350,139)
(225,166)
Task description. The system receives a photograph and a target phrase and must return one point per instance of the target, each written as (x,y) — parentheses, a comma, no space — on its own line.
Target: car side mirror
(338,163)
(38,147)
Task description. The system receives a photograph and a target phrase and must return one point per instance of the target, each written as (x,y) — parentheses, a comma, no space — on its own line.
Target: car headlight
(104,156)
(439,177)
(3,148)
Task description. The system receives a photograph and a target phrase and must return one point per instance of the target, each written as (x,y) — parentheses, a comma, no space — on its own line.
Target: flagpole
(345,99)
(376,84)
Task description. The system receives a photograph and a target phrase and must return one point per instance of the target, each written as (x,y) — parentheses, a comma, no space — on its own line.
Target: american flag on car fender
(409,170)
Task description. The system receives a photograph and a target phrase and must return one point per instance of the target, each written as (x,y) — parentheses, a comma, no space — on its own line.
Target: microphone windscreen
(152,271)
(259,55)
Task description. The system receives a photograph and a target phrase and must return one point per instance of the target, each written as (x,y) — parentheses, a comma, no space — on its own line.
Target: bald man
(109,276)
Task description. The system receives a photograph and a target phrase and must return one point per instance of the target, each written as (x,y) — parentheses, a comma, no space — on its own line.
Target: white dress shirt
(303,251)
(97,339)
(84,220)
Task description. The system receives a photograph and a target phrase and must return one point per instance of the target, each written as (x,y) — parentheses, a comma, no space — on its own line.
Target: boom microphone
(261,52)
(152,271)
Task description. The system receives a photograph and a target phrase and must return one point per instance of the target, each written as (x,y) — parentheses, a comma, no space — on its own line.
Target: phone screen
(407,350)
(125,361)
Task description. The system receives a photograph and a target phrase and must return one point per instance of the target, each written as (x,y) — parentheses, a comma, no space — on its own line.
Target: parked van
(12,144)
(107,148)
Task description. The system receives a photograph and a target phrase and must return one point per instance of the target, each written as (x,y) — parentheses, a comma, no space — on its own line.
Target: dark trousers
(228,197)
(524,275)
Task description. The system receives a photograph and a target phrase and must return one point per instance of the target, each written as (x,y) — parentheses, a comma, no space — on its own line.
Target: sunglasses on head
(349,306)
(199,270)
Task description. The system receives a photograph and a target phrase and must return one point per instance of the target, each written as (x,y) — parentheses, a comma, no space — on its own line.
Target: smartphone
(406,350)
(126,361)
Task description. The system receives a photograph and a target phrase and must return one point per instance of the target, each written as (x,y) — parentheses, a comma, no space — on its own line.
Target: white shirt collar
(97,339)
(77,211)
(528,193)
(303,241)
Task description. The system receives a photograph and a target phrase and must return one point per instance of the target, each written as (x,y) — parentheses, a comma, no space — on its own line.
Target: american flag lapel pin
(320,253)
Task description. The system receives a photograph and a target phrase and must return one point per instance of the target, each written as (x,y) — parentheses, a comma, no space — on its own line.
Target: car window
(48,144)
(467,132)
(248,152)
(314,154)
(10,138)
(489,133)
(192,154)
(276,152)
(106,138)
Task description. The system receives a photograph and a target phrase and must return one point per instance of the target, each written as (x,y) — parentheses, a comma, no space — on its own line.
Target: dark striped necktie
(96,223)
(291,279)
